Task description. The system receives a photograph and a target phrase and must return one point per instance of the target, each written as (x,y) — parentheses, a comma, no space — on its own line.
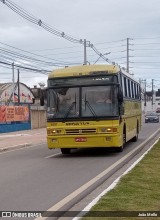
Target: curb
(15,147)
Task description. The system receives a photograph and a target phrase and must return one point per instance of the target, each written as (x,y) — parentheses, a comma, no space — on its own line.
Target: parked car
(158,110)
(151,117)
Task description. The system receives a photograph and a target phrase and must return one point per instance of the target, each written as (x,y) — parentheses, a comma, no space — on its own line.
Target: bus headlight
(54,131)
(108,130)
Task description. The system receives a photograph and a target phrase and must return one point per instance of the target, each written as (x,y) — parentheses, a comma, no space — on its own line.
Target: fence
(12,118)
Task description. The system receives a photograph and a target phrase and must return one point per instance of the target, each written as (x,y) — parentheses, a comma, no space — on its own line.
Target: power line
(143,38)
(26,68)
(28,16)
(32,53)
(149,49)
(23,13)
(148,44)
(62,48)
(59,48)
(111,42)
(146,56)
(144,67)
(25,60)
(147,62)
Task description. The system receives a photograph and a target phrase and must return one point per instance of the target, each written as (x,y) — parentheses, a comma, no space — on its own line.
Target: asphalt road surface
(37,178)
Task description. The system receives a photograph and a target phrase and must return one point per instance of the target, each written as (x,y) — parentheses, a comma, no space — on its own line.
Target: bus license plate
(80,139)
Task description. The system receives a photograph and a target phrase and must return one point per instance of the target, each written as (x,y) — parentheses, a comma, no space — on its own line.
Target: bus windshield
(82,102)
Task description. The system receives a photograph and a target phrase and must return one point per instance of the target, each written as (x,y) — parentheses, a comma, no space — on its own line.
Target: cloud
(97,21)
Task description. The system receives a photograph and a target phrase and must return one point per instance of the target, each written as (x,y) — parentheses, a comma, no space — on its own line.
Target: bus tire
(135,138)
(65,150)
(119,149)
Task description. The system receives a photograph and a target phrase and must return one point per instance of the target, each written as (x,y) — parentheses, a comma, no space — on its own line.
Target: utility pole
(145,85)
(127,54)
(145,95)
(13,82)
(85,52)
(144,81)
(18,88)
(152,92)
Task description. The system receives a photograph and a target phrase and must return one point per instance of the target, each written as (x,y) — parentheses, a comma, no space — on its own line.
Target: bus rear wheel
(135,138)
(65,150)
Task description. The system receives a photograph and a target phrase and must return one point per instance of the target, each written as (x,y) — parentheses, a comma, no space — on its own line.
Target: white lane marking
(115,182)
(75,193)
(52,155)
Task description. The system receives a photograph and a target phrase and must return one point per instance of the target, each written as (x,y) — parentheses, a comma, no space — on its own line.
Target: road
(36,178)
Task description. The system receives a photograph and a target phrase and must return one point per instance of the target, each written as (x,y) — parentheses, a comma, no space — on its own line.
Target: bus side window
(125,87)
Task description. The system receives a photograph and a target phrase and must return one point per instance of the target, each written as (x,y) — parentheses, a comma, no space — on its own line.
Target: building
(15,94)
(40,95)
(151,101)
(21,108)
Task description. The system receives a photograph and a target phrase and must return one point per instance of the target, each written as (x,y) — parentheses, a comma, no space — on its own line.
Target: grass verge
(139,190)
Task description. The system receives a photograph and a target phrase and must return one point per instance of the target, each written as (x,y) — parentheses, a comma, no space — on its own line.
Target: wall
(38,117)
(14,118)
(14,126)
(38,120)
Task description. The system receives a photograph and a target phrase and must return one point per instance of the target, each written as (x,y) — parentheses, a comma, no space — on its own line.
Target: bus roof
(87,70)
(83,70)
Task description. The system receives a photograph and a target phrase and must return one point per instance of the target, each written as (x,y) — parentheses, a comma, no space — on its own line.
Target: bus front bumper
(109,140)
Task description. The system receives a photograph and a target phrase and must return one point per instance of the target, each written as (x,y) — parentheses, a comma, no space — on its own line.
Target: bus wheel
(65,150)
(135,138)
(119,149)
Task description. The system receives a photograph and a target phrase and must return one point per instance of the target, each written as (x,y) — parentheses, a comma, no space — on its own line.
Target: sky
(105,23)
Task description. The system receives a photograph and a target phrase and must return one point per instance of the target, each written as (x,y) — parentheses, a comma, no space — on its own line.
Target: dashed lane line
(53,155)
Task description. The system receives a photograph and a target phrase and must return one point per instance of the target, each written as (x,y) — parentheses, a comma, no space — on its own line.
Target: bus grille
(81,131)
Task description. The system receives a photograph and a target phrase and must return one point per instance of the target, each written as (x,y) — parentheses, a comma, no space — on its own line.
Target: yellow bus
(92,106)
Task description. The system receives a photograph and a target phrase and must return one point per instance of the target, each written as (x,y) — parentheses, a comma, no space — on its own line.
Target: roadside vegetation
(139,190)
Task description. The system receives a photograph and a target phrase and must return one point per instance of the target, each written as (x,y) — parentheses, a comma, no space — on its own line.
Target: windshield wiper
(70,108)
(89,106)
